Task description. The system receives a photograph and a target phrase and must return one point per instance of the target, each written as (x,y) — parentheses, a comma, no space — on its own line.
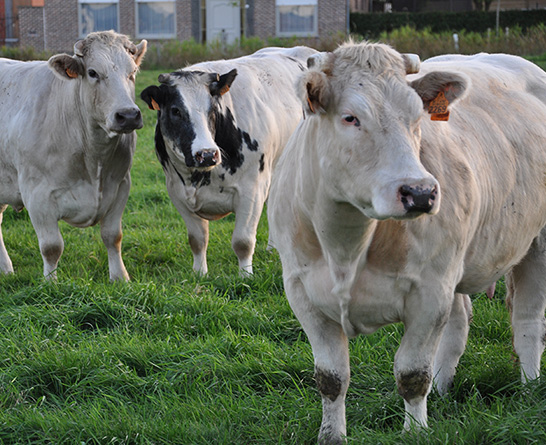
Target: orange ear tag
(155,105)
(71,73)
(437,108)
(310,105)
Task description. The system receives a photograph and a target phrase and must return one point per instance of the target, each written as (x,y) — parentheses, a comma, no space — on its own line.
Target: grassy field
(171,358)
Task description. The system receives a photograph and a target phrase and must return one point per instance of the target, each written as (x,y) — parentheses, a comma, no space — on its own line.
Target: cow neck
(345,235)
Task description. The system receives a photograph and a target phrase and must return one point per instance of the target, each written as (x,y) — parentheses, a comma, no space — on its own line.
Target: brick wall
(61,19)
(264,18)
(332,17)
(127,17)
(31,25)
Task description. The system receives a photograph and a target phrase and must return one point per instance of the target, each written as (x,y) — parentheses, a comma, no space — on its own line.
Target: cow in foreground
(355,213)
(220,128)
(67,141)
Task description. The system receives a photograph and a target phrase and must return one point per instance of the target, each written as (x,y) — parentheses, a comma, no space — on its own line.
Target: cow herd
(395,188)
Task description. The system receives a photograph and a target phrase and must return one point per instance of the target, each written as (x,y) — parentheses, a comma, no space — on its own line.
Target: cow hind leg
(5,261)
(526,300)
(452,343)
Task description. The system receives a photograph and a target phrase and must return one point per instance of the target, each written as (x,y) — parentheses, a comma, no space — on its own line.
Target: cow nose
(207,157)
(417,199)
(129,119)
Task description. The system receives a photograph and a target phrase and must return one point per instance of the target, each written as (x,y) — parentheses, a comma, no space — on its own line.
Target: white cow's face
(368,124)
(105,65)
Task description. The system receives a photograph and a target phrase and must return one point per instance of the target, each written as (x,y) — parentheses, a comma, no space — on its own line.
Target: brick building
(57,24)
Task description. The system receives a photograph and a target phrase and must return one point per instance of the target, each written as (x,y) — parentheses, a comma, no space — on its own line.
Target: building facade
(57,24)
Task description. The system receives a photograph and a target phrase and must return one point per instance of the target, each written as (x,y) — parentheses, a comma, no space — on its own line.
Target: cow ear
(66,67)
(151,96)
(222,84)
(315,91)
(440,87)
(140,51)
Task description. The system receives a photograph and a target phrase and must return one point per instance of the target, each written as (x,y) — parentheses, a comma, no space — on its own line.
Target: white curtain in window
(156,18)
(98,16)
(297,16)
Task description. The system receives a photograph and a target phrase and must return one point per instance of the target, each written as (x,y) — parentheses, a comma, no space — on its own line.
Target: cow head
(103,67)
(192,119)
(367,118)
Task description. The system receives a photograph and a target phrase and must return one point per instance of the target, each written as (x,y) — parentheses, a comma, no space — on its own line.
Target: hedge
(371,25)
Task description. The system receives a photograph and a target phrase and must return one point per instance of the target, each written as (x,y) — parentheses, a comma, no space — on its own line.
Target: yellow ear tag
(437,108)
(71,73)
(155,105)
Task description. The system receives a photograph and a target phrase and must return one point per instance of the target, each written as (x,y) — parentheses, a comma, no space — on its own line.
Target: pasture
(173,358)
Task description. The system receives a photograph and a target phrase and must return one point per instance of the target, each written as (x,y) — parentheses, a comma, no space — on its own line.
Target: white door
(223,20)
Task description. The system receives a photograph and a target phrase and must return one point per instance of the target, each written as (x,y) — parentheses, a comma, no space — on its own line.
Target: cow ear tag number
(437,108)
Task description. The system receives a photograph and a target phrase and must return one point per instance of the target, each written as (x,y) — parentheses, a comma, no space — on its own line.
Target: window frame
(91,2)
(141,35)
(280,3)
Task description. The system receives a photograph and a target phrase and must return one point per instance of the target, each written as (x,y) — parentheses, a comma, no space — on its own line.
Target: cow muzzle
(418,199)
(207,158)
(127,120)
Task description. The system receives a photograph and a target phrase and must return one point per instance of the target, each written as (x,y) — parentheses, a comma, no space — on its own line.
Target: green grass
(172,358)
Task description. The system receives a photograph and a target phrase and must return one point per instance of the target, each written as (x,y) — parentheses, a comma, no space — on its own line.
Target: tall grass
(173,358)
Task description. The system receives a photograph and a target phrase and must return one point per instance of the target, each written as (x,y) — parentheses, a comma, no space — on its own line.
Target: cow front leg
(5,262)
(50,241)
(424,321)
(331,353)
(111,233)
(198,238)
(453,343)
(526,300)
(243,241)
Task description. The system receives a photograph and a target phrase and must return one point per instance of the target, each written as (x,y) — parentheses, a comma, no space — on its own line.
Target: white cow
(67,141)
(220,129)
(365,164)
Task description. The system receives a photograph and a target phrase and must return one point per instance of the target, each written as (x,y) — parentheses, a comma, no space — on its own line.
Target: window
(297,18)
(156,19)
(97,15)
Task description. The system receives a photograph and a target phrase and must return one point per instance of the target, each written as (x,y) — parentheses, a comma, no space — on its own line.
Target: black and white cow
(220,128)
(67,141)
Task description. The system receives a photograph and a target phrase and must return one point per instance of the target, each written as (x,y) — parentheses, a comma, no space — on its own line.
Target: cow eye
(93,74)
(349,119)
(175,112)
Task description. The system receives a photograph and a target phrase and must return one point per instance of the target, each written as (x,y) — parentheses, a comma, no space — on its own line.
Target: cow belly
(376,300)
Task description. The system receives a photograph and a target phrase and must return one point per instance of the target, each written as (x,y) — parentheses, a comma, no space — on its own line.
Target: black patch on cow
(414,383)
(200,178)
(160,149)
(229,137)
(300,66)
(222,177)
(251,144)
(174,122)
(262,163)
(328,383)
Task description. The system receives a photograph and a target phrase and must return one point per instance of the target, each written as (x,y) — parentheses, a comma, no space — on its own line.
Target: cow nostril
(127,117)
(418,199)
(207,158)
